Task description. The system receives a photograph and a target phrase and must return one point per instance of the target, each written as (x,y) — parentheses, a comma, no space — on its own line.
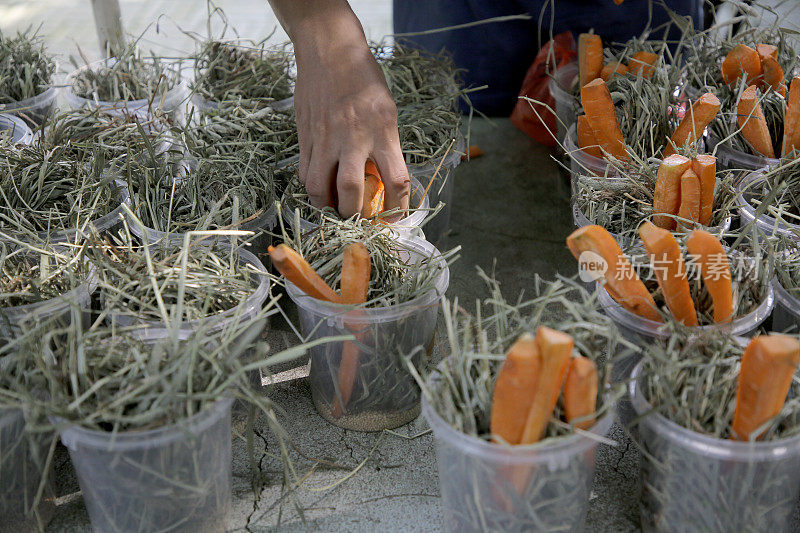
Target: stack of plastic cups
(440,187)
(729,158)
(34,111)
(378,392)
(174,478)
(694,482)
(567,104)
(492,487)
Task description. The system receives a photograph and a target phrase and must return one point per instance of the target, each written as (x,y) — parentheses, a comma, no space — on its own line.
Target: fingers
(350,183)
(394,175)
(320,177)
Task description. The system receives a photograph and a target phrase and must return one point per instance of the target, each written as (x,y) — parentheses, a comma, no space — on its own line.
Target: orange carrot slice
(590,57)
(753,124)
(694,122)
(768,364)
(586,139)
(602,117)
(644,63)
(773,74)
(705,166)
(742,60)
(373,191)
(667,195)
(356,272)
(473,152)
(621,280)
(555,348)
(791,124)
(710,256)
(514,389)
(690,197)
(580,392)
(611,69)
(298,271)
(670,271)
(767,51)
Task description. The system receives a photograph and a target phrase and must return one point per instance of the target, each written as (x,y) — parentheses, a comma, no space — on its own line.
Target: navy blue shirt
(499,54)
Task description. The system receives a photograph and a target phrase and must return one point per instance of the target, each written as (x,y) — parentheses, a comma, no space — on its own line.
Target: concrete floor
(514,220)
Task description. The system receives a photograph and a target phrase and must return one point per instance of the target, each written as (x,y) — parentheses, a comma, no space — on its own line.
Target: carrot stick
(590,57)
(580,392)
(602,117)
(556,351)
(586,140)
(742,60)
(514,389)
(670,271)
(644,63)
(753,124)
(298,271)
(791,124)
(715,268)
(611,69)
(621,280)
(373,191)
(705,166)
(773,74)
(473,152)
(667,195)
(694,122)
(356,272)
(767,51)
(690,198)
(768,364)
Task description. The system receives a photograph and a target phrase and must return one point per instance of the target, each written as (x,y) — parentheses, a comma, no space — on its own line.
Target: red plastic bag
(536,87)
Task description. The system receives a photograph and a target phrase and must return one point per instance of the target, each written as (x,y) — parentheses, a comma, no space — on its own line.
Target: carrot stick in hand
(621,280)
(667,195)
(514,389)
(356,273)
(298,271)
(715,268)
(695,120)
(580,392)
(705,166)
(599,109)
(667,261)
(768,364)
(751,120)
(590,57)
(373,191)
(556,351)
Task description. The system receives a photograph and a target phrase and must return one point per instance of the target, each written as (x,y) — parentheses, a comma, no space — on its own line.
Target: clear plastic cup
(168,101)
(174,478)
(245,311)
(786,315)
(581,163)
(493,487)
(567,103)
(58,309)
(753,183)
(203,105)
(34,111)
(385,395)
(16,129)
(436,228)
(731,159)
(23,466)
(694,482)
(405,226)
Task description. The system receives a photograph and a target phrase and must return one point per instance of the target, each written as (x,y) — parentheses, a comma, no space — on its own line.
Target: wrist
(328,35)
